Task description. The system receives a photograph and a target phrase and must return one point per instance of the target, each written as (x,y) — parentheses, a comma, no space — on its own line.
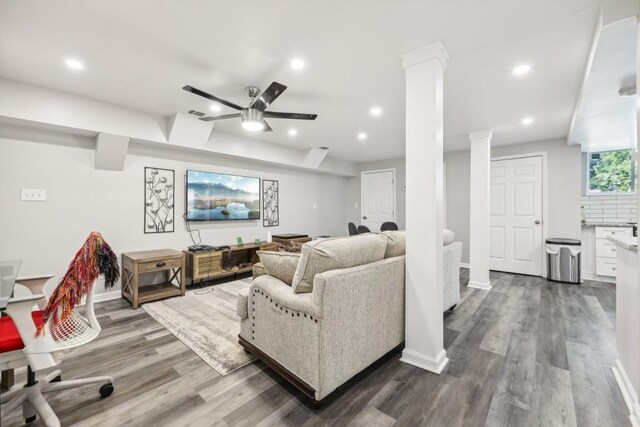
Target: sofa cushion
(396,241)
(319,256)
(258,270)
(447,237)
(242,303)
(281,265)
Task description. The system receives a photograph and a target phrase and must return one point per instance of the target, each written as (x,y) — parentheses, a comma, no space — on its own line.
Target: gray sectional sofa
(320,317)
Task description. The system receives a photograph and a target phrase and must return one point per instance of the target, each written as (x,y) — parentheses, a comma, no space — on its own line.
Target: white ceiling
(606,121)
(140,53)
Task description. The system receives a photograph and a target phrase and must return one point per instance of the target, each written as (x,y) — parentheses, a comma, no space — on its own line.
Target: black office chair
(389,226)
(363,229)
(352,229)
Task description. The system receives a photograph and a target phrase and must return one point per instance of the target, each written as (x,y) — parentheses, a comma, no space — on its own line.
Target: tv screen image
(220,197)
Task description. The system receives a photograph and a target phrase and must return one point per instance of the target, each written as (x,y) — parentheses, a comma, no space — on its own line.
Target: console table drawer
(160,265)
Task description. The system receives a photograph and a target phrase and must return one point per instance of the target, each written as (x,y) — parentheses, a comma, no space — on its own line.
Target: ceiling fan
(253,116)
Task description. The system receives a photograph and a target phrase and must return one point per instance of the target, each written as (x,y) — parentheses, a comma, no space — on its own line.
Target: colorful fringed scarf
(94,258)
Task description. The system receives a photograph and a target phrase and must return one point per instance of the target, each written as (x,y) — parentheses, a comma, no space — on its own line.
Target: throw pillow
(319,256)
(447,237)
(281,265)
(396,241)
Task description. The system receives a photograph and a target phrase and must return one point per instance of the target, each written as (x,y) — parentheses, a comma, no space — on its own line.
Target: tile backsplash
(610,208)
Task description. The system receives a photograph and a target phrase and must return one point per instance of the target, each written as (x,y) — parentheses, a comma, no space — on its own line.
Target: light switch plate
(355,205)
(33,195)
(314,206)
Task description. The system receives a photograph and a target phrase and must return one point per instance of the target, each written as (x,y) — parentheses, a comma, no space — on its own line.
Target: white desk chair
(21,345)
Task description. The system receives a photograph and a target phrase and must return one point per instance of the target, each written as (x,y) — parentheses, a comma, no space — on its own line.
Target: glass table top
(9,270)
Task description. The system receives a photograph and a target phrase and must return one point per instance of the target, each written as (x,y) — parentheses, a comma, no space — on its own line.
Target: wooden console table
(207,265)
(288,239)
(168,261)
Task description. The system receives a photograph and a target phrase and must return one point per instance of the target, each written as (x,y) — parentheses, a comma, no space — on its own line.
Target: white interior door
(515,233)
(378,198)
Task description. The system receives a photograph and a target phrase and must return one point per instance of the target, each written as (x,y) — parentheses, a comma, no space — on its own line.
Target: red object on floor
(9,337)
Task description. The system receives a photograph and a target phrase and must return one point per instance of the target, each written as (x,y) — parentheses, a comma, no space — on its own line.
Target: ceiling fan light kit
(253,116)
(252,120)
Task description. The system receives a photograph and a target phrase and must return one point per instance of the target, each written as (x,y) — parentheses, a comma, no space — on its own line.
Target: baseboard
(628,393)
(106,296)
(424,362)
(465,265)
(590,275)
(486,286)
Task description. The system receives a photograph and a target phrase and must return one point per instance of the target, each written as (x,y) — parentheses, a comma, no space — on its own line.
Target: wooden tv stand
(207,265)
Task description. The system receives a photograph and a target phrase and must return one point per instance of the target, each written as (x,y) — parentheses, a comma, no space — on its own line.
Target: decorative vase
(269,238)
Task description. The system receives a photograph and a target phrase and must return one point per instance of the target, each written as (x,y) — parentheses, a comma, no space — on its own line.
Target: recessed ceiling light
(527,120)
(362,136)
(376,111)
(297,64)
(215,108)
(74,64)
(293,132)
(521,69)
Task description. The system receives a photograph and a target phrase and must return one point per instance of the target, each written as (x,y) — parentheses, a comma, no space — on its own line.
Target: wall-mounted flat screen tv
(219,197)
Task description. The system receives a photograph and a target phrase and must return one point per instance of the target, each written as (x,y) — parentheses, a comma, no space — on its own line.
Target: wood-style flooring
(527,353)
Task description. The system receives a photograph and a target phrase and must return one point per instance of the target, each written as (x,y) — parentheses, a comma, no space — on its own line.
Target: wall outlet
(33,195)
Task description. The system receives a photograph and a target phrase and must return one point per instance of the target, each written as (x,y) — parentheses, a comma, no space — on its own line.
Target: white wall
(564,175)
(457,187)
(353,190)
(80,199)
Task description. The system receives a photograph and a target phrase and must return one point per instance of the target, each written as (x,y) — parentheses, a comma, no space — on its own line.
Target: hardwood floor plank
(371,417)
(497,337)
(553,398)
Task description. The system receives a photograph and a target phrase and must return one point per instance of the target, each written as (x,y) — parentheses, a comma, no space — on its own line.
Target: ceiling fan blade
(211,97)
(224,116)
(267,128)
(268,96)
(297,116)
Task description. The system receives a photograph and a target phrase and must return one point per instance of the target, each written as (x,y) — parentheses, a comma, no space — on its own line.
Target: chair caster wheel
(106,390)
(30,419)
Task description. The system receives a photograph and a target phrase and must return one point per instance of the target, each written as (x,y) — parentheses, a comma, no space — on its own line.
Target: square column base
(424,362)
(486,286)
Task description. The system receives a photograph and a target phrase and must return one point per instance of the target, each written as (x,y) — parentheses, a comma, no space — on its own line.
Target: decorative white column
(424,70)
(479,210)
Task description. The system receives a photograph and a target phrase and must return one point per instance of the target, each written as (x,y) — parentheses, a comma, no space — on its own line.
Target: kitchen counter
(627,367)
(627,242)
(607,224)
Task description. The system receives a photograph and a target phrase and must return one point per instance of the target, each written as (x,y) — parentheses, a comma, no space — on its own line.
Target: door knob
(537,221)
(364,217)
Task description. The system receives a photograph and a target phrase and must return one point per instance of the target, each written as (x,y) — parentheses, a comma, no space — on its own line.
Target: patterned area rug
(205,320)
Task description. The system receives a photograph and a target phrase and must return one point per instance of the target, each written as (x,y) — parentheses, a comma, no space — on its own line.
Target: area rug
(205,320)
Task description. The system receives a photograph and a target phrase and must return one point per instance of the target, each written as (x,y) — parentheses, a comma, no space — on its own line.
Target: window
(612,172)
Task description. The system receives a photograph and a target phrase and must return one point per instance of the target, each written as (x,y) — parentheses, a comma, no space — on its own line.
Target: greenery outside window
(612,172)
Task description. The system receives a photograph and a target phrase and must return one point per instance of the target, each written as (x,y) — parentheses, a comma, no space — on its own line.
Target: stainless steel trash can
(563,260)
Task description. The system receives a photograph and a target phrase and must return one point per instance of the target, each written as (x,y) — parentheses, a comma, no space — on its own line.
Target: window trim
(590,192)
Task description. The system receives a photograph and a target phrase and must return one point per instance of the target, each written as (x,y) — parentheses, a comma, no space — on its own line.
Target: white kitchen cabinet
(606,250)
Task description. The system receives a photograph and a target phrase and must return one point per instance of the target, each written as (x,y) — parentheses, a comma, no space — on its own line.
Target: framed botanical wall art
(270,203)
(159,211)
